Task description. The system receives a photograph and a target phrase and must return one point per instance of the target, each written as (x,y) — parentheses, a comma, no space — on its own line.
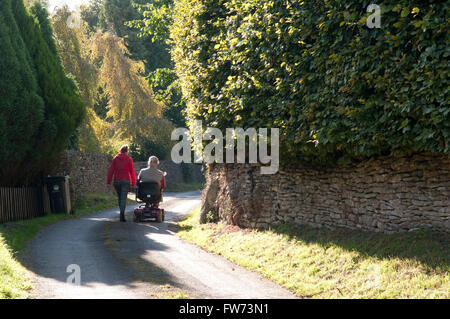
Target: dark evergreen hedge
(337,89)
(39,105)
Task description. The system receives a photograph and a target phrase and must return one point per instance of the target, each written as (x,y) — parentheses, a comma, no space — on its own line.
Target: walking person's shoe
(122,217)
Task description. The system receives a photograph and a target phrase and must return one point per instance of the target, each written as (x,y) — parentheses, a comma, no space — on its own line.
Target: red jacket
(122,168)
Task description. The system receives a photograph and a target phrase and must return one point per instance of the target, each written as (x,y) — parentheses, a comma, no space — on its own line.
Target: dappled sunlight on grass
(13,280)
(321,263)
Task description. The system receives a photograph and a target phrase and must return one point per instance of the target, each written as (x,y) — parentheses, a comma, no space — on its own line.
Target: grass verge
(14,236)
(320,263)
(168,292)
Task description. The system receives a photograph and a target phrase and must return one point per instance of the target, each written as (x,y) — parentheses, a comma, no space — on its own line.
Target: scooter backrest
(148,189)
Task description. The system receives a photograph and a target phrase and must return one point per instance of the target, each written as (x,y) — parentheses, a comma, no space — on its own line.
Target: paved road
(129,260)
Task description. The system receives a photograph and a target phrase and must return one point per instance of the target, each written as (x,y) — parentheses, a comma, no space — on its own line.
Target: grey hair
(152,159)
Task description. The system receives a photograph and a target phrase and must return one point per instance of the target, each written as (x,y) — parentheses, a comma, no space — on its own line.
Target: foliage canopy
(337,89)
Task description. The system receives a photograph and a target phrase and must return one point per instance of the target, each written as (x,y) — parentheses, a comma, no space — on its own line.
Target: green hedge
(337,89)
(40,106)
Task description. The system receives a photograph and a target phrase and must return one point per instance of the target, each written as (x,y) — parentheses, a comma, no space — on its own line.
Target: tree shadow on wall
(430,248)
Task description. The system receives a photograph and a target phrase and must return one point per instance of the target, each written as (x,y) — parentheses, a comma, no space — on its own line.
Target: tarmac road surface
(135,260)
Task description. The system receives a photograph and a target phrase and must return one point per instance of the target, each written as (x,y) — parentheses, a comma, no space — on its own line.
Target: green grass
(167,291)
(14,280)
(321,263)
(185,187)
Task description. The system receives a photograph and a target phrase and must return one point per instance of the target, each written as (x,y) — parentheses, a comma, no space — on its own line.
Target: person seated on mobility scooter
(151,182)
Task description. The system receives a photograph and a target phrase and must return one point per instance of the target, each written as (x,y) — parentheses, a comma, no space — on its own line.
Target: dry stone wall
(176,173)
(383,195)
(87,172)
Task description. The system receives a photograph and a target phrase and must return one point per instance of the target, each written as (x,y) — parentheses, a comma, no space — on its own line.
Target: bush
(21,104)
(335,88)
(40,106)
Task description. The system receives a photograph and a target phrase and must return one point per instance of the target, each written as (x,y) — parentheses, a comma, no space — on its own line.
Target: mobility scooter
(150,194)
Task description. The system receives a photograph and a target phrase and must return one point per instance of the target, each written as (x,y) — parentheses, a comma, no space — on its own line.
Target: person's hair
(124,149)
(152,159)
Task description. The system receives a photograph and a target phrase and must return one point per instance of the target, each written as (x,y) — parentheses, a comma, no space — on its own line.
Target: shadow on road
(123,270)
(137,245)
(130,242)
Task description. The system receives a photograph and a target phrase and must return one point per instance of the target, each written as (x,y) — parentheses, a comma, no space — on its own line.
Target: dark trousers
(122,187)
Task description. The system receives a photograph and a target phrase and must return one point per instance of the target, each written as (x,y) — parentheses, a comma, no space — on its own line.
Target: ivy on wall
(337,89)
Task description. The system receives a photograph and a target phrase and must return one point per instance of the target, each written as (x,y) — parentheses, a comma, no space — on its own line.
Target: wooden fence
(21,203)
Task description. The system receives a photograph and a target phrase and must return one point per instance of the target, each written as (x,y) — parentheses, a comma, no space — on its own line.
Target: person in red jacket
(122,169)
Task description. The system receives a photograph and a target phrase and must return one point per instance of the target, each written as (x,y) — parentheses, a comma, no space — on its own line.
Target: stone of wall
(88,172)
(176,173)
(383,195)
(193,173)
